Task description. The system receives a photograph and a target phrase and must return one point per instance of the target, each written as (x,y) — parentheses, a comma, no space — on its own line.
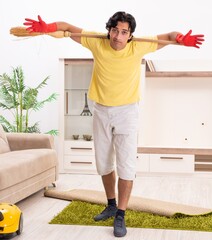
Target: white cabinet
(77,108)
(175,110)
(165,107)
(165,163)
(76,117)
(177,163)
(174,160)
(176,122)
(142,163)
(79,156)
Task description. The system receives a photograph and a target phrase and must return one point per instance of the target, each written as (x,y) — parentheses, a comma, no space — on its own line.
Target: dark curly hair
(121,17)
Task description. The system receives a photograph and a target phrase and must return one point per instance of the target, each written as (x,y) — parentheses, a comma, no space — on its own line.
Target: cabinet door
(76,117)
(79,147)
(142,163)
(80,163)
(79,156)
(77,106)
(171,163)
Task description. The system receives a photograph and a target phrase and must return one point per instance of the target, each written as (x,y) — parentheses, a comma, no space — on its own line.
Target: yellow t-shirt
(116,74)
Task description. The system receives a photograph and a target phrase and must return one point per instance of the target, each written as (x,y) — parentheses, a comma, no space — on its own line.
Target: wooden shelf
(159,150)
(179,74)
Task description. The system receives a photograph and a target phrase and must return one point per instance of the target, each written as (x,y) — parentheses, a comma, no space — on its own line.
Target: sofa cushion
(17,166)
(4,146)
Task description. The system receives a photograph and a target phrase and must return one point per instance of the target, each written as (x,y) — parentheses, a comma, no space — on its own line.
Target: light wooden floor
(186,189)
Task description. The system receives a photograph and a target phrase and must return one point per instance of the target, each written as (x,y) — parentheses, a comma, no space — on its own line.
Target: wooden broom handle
(61,34)
(22,32)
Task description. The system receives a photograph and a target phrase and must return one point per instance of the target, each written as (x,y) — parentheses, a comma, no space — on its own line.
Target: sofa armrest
(22,141)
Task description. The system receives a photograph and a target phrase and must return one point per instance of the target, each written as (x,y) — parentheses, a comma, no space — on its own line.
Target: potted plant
(20,100)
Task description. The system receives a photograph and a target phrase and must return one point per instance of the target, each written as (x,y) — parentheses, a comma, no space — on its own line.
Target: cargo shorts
(115,131)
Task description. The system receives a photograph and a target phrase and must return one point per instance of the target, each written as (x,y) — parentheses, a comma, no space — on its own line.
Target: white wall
(39,55)
(176,112)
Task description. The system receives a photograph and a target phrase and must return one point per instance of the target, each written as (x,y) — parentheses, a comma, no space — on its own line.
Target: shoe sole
(119,235)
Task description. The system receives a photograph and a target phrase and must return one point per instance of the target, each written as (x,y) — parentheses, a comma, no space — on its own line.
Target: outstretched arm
(167,37)
(63,26)
(185,40)
(41,26)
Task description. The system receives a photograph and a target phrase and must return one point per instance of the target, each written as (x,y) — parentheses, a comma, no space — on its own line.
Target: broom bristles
(22,32)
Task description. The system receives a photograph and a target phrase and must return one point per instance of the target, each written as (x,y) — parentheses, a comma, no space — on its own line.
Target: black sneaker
(109,211)
(119,227)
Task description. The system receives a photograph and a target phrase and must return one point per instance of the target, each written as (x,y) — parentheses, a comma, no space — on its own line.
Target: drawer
(80,162)
(171,163)
(79,147)
(142,163)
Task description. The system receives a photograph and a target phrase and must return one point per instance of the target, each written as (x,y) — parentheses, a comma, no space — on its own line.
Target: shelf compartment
(75,102)
(203,163)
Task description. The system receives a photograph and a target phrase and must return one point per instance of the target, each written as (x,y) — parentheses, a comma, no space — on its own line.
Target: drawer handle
(74,162)
(172,158)
(78,148)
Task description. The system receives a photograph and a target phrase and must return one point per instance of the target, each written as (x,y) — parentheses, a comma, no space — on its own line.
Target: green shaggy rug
(158,207)
(81,213)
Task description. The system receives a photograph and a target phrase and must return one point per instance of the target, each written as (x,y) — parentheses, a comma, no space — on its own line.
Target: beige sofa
(28,163)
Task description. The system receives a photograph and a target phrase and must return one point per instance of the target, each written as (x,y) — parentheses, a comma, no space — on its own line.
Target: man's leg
(109,182)
(125,142)
(124,191)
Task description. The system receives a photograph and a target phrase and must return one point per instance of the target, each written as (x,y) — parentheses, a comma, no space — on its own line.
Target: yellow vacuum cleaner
(11,220)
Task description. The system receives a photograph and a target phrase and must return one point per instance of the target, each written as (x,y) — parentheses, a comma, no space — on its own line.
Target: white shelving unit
(76,156)
(173,136)
(176,123)
(174,160)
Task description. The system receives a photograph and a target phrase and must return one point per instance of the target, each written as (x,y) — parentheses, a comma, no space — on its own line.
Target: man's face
(119,36)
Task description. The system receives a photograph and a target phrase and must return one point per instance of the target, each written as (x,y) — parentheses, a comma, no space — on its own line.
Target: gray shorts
(115,139)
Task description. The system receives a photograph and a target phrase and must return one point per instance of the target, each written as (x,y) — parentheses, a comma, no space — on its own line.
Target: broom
(22,32)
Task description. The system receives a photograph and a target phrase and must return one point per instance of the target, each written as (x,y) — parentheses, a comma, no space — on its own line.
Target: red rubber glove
(190,40)
(40,25)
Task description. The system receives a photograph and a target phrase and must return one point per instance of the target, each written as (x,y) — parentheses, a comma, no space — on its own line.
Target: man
(114,89)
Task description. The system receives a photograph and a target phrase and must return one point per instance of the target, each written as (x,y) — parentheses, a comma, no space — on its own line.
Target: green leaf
(33,129)
(7,126)
(39,105)
(43,83)
(53,132)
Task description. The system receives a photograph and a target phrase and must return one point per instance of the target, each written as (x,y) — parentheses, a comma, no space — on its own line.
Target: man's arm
(167,37)
(185,40)
(63,26)
(41,26)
